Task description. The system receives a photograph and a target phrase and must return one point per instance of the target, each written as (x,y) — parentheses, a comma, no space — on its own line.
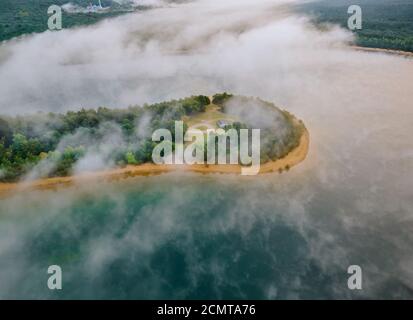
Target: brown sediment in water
(292,159)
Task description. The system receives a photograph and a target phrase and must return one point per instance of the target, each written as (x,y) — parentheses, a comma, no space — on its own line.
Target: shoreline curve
(293,158)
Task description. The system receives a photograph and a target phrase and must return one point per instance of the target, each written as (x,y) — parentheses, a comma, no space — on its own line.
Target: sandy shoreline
(292,159)
(388,51)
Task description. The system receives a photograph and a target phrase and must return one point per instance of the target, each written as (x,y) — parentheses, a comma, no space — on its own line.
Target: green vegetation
(277,139)
(386,24)
(53,144)
(221,98)
(18,17)
(61,140)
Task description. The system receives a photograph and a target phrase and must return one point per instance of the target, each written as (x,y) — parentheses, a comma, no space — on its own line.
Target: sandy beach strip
(290,160)
(387,51)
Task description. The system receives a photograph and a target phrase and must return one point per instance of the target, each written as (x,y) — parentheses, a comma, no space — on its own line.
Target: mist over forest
(187,236)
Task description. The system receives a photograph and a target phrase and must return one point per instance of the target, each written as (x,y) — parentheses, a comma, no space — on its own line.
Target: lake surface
(191,236)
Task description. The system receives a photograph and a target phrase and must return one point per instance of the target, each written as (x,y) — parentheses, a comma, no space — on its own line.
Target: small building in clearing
(223,123)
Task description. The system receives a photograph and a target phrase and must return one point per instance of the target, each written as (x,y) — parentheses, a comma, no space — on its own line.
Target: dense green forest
(26,140)
(279,136)
(387,24)
(53,143)
(18,17)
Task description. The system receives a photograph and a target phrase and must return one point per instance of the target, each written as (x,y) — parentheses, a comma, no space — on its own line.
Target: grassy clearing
(208,119)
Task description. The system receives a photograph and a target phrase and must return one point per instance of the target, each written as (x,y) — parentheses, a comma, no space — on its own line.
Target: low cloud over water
(291,235)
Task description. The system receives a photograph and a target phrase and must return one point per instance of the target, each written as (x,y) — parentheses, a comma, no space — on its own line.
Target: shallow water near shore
(181,235)
(189,236)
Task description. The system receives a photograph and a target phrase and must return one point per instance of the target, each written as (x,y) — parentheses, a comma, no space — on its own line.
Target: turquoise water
(186,236)
(289,236)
